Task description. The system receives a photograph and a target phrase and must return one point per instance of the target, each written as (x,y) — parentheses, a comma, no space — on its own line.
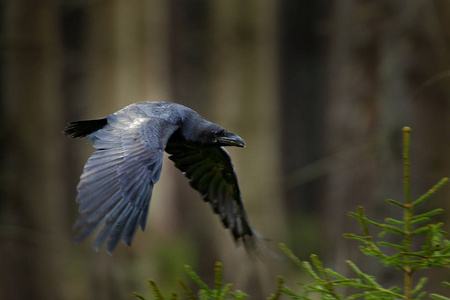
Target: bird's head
(218,136)
(197,130)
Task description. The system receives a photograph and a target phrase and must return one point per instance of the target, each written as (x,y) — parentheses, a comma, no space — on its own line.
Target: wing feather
(211,172)
(117,182)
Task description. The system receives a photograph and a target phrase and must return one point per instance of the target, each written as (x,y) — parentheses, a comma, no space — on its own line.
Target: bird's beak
(231,139)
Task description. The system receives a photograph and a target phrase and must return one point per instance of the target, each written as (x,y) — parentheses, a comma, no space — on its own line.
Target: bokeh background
(318,89)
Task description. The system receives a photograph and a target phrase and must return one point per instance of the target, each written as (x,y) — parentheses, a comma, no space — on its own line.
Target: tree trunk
(33,243)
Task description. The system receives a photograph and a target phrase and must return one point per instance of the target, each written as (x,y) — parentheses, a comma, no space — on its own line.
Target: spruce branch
(138,296)
(218,279)
(408,213)
(278,290)
(438,297)
(435,250)
(187,291)
(431,191)
(198,280)
(155,290)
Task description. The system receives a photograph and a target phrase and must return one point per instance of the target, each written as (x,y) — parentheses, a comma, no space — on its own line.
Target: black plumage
(117,182)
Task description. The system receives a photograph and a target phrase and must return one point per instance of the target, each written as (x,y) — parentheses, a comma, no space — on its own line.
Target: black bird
(117,182)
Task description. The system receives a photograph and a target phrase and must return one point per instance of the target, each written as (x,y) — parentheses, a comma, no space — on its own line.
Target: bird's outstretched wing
(117,182)
(211,172)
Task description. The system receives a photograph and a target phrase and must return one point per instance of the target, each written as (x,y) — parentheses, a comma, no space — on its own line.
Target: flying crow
(117,182)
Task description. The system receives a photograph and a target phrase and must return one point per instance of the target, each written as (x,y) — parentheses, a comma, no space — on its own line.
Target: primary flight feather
(116,186)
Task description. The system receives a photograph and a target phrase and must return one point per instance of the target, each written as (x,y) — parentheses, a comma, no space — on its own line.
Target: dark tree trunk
(33,243)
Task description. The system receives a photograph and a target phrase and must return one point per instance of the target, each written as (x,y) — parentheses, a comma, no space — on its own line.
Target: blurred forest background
(318,89)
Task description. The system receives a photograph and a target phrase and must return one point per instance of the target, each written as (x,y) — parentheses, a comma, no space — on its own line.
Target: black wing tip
(254,244)
(79,129)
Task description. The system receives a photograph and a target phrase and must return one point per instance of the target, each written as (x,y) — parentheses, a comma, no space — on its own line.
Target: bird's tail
(79,129)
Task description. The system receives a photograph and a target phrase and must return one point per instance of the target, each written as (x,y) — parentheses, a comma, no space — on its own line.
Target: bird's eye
(218,132)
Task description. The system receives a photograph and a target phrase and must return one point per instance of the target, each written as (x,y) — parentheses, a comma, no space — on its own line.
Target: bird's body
(117,182)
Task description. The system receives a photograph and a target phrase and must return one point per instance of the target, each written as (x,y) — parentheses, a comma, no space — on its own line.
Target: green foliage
(412,228)
(220,291)
(434,251)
